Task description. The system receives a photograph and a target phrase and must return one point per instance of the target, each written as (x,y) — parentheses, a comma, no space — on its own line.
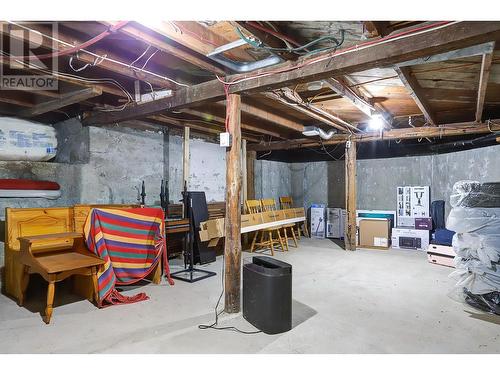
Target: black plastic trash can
(267,294)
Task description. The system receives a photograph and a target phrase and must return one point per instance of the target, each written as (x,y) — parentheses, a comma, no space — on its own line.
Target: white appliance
(413,201)
(335,222)
(408,238)
(318,221)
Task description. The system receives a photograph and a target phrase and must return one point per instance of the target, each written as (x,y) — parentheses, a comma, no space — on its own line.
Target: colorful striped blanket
(131,242)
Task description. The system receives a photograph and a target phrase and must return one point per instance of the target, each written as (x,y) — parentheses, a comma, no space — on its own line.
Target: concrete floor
(368,301)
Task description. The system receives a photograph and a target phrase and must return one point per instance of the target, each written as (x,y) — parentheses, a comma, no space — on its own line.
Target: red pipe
(71,50)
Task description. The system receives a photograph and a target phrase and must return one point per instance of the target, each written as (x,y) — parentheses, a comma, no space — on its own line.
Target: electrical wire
(98,56)
(111,81)
(72,49)
(327,56)
(140,56)
(218,313)
(337,43)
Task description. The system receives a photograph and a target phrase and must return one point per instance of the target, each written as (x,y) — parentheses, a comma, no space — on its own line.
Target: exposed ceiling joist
(483,84)
(209,117)
(297,104)
(477,50)
(216,130)
(416,92)
(341,89)
(436,40)
(197,37)
(63,101)
(447,130)
(161,44)
(262,114)
(87,58)
(110,89)
(379,109)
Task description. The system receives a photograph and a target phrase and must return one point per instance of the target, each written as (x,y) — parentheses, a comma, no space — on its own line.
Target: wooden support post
(185,159)
(251,156)
(244,183)
(350,195)
(232,247)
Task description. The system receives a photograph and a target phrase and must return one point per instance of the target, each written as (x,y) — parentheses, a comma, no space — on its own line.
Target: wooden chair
(269,237)
(287,202)
(56,257)
(270,205)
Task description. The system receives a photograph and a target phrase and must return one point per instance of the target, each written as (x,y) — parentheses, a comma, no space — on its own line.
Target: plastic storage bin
(267,294)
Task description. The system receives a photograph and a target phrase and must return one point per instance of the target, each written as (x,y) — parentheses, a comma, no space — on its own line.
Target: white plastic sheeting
(26,140)
(475,217)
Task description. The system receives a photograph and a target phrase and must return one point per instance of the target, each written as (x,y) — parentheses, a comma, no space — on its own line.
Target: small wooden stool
(56,257)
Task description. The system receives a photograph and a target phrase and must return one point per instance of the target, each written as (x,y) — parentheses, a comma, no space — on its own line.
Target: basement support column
(251,156)
(185,159)
(244,176)
(232,247)
(350,195)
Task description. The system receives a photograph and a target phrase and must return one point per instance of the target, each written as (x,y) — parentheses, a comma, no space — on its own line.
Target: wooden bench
(56,257)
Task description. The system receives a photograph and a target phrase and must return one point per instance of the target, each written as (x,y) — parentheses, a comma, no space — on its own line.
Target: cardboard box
(374,233)
(251,219)
(412,201)
(409,238)
(318,221)
(299,212)
(215,228)
(376,214)
(441,255)
(335,222)
(423,223)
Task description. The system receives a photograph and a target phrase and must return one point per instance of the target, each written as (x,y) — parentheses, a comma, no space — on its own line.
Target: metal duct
(241,66)
(311,131)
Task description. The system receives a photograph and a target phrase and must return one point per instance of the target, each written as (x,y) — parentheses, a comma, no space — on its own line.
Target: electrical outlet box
(225,139)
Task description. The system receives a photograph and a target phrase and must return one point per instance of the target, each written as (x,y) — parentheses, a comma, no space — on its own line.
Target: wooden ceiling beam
(161,44)
(342,89)
(216,130)
(109,89)
(198,38)
(86,58)
(209,117)
(321,66)
(416,92)
(265,115)
(448,130)
(64,101)
(477,50)
(483,84)
(291,100)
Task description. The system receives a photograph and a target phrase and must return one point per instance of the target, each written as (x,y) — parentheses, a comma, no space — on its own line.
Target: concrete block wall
(108,164)
(377,179)
(272,179)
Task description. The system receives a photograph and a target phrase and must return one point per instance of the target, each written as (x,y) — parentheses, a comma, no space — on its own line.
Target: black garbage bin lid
(269,266)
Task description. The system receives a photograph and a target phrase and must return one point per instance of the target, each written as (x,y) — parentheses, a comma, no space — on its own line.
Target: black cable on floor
(216,322)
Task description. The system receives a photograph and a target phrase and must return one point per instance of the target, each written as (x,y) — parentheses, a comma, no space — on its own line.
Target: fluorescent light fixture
(376,123)
(314,86)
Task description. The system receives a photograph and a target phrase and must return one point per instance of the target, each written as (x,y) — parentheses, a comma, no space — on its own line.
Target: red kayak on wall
(24,188)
